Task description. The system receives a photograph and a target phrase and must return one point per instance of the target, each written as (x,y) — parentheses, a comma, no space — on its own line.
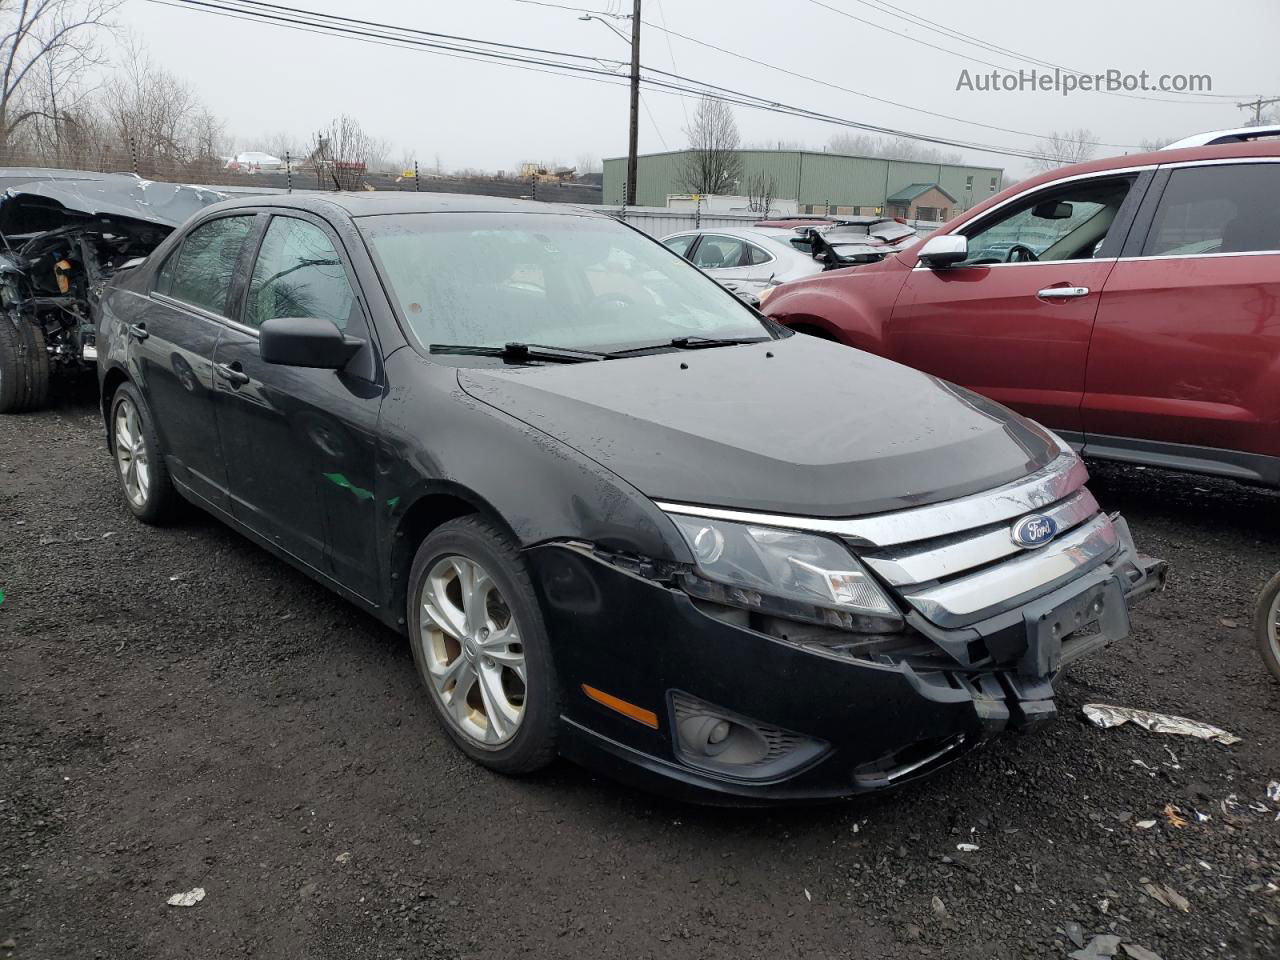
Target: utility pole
(634,145)
(1256,106)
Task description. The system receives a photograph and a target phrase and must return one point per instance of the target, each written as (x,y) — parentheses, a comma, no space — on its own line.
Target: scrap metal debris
(1174,816)
(1105,715)
(1100,947)
(1168,896)
(188,899)
(1273,791)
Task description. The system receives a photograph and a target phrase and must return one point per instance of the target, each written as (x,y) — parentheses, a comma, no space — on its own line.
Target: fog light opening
(720,741)
(710,736)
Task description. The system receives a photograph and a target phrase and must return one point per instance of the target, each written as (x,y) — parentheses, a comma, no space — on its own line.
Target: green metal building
(819,182)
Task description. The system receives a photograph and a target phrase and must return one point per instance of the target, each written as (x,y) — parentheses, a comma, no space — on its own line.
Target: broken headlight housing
(784,573)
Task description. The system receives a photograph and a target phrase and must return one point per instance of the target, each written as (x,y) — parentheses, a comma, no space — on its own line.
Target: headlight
(784,573)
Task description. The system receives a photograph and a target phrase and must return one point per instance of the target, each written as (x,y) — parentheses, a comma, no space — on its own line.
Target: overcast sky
(263,78)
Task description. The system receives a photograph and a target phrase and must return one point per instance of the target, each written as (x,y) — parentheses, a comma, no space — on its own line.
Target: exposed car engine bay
(62,237)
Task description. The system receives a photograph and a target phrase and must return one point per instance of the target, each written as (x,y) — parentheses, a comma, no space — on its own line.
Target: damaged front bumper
(799,715)
(834,725)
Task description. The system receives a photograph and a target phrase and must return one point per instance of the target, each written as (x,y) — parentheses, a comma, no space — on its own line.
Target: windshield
(490,279)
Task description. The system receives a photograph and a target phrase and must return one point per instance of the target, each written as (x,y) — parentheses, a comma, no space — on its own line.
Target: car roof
(368,203)
(739,233)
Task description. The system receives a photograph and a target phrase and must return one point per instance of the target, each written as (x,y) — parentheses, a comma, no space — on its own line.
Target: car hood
(798,426)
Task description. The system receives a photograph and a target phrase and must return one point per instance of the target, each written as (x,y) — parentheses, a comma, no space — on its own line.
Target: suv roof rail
(1238,135)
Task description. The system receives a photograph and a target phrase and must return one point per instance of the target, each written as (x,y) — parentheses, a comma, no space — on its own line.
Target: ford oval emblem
(1033,531)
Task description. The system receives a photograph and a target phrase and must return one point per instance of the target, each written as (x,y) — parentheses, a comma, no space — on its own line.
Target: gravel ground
(179,710)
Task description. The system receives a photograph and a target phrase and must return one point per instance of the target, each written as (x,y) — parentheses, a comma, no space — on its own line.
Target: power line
(662,15)
(825,83)
(517,56)
(868,96)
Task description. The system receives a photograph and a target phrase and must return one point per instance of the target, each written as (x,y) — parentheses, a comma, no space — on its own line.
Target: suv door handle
(232,374)
(138,331)
(1064,293)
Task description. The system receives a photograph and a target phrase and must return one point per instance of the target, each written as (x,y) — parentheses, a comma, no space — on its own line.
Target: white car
(746,261)
(753,260)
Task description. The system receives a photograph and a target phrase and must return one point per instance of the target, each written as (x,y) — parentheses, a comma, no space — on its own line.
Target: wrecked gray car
(63,234)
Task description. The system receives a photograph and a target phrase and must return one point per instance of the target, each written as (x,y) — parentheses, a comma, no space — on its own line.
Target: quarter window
(756,256)
(680,245)
(1218,209)
(201,271)
(298,274)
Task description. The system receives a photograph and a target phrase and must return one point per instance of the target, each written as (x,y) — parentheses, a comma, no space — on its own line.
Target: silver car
(746,261)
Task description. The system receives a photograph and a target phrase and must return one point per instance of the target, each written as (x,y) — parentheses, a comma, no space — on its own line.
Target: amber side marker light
(638,714)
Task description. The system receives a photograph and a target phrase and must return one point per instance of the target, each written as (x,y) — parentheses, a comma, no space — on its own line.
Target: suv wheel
(481,647)
(144,478)
(1267,625)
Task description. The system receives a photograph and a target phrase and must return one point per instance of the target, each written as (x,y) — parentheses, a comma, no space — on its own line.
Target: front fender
(851,306)
(435,438)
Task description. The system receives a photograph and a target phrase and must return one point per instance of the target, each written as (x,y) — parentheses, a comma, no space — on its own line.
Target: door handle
(232,374)
(1064,293)
(138,331)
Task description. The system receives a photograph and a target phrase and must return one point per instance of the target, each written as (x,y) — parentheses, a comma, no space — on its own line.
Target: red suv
(1131,304)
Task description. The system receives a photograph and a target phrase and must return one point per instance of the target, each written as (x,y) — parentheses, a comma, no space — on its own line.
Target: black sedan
(620,516)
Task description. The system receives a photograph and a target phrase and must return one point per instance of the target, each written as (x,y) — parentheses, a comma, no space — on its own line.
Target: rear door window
(1228,208)
(201,271)
(718,252)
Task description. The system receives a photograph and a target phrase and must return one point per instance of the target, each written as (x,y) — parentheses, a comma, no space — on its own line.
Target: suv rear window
(1228,208)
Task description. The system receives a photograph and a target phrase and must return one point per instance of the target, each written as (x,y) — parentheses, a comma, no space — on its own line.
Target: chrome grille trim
(968,599)
(1061,477)
(964,550)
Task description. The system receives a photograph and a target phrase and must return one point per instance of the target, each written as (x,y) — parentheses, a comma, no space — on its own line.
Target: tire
(13,380)
(150,496)
(1266,625)
(37,368)
(476,654)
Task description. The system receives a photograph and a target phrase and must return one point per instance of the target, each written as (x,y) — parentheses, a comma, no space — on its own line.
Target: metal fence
(662,221)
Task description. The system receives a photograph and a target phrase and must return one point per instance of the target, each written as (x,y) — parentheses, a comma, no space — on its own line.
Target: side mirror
(306,342)
(1052,210)
(944,251)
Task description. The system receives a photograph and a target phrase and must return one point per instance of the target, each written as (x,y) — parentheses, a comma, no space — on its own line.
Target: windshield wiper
(691,343)
(521,352)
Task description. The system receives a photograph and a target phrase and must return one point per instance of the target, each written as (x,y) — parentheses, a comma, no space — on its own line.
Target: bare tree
(762,190)
(343,153)
(588,163)
(150,113)
(48,43)
(713,164)
(1060,149)
(896,148)
(282,143)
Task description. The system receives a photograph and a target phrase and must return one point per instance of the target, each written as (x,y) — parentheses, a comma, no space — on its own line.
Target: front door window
(1069,223)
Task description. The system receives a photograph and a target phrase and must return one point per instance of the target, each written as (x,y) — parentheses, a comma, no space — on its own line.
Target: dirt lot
(178,709)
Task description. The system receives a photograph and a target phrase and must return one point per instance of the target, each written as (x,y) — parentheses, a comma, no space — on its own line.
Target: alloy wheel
(473,650)
(131,453)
